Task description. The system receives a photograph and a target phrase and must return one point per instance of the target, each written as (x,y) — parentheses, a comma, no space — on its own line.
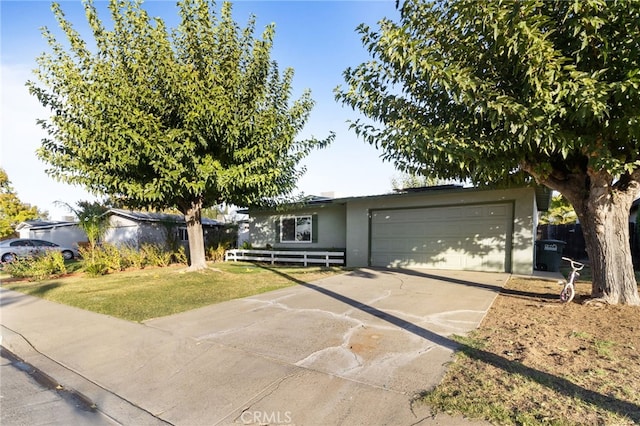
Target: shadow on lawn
(551,381)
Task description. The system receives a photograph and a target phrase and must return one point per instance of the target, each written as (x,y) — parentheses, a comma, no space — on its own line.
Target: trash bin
(549,255)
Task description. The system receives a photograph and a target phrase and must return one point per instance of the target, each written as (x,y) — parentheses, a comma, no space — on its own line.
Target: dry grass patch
(536,361)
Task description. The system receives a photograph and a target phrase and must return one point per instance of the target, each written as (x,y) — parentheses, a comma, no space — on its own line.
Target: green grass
(150,293)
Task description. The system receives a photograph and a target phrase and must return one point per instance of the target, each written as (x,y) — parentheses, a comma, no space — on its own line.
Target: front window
(182,234)
(295,229)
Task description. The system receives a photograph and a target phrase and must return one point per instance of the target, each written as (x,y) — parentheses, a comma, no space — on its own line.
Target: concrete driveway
(376,329)
(351,349)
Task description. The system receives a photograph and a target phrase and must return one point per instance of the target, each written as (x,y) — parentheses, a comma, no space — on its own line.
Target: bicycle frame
(568,291)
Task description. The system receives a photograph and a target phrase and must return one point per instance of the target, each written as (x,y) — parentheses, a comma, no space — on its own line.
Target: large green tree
(159,118)
(560,212)
(506,91)
(12,210)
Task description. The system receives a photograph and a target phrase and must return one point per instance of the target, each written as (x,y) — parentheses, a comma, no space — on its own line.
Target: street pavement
(29,398)
(353,349)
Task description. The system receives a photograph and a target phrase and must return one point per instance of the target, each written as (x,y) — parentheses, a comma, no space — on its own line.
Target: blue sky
(316,38)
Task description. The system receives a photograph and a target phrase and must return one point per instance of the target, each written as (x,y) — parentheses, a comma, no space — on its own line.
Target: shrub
(96,268)
(48,265)
(102,259)
(155,255)
(19,268)
(217,254)
(131,257)
(180,256)
(112,257)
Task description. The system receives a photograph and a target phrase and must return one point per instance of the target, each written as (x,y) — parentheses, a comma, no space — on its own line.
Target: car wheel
(68,255)
(8,257)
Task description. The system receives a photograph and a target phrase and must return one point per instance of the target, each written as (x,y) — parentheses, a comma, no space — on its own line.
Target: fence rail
(327,258)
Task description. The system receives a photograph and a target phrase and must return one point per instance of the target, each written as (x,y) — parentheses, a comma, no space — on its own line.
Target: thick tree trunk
(605,225)
(603,211)
(192,216)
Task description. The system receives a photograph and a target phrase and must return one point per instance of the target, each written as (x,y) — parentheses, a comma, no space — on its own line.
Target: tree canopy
(560,212)
(511,92)
(12,210)
(483,90)
(186,117)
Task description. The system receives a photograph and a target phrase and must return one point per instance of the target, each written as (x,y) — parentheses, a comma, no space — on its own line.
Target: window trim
(295,219)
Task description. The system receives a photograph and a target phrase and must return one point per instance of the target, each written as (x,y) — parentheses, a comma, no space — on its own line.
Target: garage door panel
(471,237)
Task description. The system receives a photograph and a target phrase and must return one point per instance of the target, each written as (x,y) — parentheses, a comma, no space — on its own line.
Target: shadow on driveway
(553,382)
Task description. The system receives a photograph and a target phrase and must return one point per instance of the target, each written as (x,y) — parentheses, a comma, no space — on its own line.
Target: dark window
(182,234)
(296,229)
(44,243)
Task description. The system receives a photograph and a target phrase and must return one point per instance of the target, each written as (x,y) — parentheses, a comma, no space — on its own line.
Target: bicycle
(568,290)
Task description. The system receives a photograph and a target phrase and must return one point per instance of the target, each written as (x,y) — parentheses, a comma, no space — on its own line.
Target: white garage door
(471,237)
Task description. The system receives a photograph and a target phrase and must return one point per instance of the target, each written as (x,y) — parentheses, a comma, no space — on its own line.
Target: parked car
(26,247)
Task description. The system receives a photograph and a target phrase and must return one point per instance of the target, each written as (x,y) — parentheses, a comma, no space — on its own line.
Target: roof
(41,224)
(138,216)
(129,214)
(543,198)
(543,195)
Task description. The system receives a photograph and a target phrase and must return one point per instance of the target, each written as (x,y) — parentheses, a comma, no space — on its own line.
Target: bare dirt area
(535,360)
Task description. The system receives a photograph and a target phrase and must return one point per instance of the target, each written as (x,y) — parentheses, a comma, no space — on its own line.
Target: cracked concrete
(351,349)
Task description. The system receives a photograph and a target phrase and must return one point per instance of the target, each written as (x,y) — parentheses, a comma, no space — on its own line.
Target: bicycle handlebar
(575,265)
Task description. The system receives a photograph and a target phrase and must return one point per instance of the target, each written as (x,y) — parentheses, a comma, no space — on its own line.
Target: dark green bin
(549,255)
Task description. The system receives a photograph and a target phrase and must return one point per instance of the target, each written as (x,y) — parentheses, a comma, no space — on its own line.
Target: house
(130,228)
(63,233)
(443,227)
(134,228)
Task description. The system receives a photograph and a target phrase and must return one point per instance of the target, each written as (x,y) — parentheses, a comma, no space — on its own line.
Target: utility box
(549,255)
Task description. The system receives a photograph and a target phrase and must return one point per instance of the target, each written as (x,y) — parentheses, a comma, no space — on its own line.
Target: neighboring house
(64,233)
(125,227)
(137,228)
(244,234)
(445,227)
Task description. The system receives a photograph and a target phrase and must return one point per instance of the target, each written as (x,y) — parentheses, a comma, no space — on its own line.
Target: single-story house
(63,233)
(443,227)
(125,227)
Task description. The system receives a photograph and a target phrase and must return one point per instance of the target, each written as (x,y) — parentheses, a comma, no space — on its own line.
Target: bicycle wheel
(567,294)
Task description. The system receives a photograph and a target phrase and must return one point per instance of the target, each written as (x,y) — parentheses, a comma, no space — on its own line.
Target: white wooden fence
(327,258)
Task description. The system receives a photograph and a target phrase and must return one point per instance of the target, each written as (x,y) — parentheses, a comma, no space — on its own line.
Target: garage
(461,237)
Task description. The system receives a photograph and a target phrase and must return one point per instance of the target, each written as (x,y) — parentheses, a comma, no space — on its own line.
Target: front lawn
(155,292)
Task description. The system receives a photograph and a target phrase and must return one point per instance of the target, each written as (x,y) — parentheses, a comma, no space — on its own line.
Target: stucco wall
(331,228)
(122,232)
(346,224)
(357,217)
(67,236)
(126,232)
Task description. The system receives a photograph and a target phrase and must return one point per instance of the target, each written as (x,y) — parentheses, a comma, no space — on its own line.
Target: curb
(71,384)
(79,400)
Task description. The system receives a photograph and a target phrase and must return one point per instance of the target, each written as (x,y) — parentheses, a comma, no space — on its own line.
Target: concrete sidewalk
(353,349)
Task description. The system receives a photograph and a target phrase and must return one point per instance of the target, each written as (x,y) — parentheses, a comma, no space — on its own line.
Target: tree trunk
(192,216)
(605,225)
(603,211)
(602,204)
